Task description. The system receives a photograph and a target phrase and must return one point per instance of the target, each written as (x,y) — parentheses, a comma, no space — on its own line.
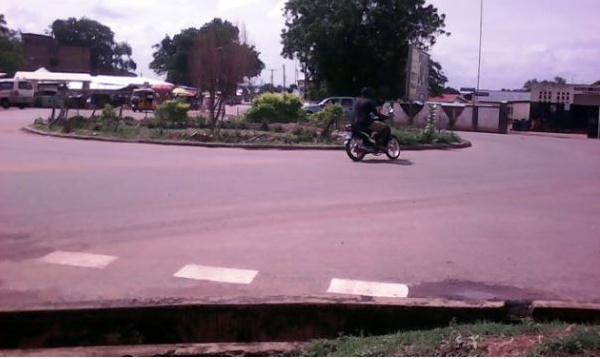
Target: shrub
(234,124)
(174,112)
(278,128)
(78,122)
(447,137)
(108,113)
(271,108)
(406,136)
(328,119)
(410,136)
(290,138)
(198,122)
(307,136)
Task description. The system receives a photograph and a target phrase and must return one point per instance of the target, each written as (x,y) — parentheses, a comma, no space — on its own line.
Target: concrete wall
(489,117)
(520,110)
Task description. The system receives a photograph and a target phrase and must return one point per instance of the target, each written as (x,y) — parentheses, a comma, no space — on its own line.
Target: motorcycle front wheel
(353,149)
(393,148)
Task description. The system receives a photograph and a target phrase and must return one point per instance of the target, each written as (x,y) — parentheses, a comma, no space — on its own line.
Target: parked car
(346,102)
(16,92)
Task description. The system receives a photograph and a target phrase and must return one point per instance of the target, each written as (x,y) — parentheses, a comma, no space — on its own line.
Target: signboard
(417,81)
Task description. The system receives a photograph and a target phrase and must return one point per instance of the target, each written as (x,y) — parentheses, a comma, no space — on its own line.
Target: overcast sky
(522,39)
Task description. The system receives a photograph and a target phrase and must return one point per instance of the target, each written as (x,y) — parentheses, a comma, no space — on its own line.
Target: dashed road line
(372,289)
(78,259)
(216,274)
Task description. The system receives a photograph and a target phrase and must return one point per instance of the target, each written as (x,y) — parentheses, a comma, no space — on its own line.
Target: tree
(451,91)
(437,79)
(10,49)
(560,81)
(344,45)
(172,55)
(219,61)
(107,56)
(529,84)
(557,81)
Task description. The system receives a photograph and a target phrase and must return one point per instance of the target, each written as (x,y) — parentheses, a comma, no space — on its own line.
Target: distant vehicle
(143,100)
(233,100)
(16,92)
(346,102)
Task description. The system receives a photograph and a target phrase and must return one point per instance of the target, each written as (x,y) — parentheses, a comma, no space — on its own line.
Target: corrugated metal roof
(98,81)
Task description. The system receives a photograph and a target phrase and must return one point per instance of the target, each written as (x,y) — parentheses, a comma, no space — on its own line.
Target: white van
(16,92)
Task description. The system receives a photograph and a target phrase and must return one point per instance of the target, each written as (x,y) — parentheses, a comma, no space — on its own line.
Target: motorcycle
(359,143)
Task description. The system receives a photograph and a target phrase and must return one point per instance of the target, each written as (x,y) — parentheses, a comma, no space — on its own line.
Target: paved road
(513,217)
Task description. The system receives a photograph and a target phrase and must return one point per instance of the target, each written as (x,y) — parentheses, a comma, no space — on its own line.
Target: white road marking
(371,289)
(216,274)
(78,259)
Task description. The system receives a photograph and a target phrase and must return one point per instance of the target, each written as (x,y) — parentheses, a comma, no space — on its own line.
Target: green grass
(580,342)
(462,340)
(413,136)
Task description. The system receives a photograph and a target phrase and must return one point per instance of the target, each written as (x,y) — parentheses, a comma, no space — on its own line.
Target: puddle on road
(465,290)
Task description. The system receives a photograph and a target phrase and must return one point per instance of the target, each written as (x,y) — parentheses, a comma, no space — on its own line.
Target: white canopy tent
(80,81)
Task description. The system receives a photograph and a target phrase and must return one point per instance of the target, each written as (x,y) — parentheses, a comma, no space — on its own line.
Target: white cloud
(226,6)
(277,10)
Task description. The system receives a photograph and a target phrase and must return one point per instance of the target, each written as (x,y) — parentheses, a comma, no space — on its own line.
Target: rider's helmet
(367,92)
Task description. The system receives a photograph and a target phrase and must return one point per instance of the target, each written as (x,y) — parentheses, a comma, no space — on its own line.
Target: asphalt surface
(513,217)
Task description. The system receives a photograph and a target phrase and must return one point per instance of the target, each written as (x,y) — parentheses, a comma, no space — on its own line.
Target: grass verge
(231,132)
(482,339)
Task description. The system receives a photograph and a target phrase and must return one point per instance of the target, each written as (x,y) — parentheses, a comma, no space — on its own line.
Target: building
(564,107)
(519,103)
(41,51)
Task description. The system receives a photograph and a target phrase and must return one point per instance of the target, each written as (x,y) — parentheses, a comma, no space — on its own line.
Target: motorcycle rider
(368,119)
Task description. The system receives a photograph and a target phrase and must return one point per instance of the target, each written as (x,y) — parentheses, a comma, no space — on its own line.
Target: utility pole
(284,77)
(476,95)
(296,71)
(272,76)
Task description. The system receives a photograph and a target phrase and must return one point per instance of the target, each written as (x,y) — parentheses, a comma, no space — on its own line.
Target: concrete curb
(256,321)
(255,146)
(167,350)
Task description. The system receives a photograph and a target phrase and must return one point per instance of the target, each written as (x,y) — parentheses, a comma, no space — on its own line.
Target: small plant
(328,119)
(40,122)
(430,129)
(174,112)
(278,128)
(298,131)
(291,139)
(307,136)
(580,342)
(198,122)
(78,122)
(264,127)
(108,113)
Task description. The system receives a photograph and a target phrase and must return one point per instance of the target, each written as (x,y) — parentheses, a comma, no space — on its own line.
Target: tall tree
(219,61)
(437,78)
(107,56)
(557,81)
(344,45)
(172,54)
(10,49)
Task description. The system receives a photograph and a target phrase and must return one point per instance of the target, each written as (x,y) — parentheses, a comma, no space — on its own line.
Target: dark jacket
(365,112)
